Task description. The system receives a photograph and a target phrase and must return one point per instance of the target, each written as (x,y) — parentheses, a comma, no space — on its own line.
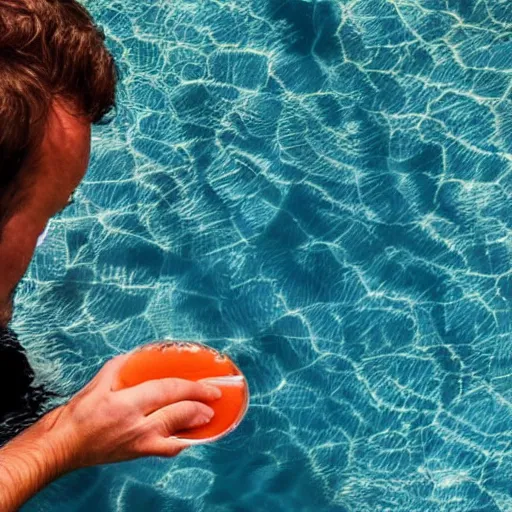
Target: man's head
(56,79)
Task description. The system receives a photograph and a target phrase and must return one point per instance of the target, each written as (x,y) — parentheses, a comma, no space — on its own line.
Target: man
(56,79)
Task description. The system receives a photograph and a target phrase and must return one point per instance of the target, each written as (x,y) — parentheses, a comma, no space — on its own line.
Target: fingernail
(215,393)
(204,418)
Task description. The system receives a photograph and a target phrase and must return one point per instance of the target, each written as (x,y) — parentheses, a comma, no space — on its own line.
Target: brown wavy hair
(48,49)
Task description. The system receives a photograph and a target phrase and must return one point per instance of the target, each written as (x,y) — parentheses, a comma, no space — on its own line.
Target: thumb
(107,376)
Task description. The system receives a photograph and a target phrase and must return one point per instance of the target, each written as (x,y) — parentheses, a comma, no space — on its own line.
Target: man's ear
(67,139)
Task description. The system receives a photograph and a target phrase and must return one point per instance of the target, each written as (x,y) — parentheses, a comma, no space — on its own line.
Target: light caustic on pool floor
(192,361)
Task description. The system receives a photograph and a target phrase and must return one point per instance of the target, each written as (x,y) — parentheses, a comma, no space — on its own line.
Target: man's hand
(99,426)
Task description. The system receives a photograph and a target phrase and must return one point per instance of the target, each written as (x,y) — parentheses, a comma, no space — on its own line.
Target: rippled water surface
(323,190)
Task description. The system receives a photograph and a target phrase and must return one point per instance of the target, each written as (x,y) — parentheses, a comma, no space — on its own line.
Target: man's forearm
(31,461)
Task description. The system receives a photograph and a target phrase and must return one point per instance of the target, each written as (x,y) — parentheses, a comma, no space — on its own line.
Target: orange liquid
(194,362)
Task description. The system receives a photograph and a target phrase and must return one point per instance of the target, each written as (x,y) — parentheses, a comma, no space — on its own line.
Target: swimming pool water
(323,190)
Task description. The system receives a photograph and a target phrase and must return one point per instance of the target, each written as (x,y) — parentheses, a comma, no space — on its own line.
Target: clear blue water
(323,190)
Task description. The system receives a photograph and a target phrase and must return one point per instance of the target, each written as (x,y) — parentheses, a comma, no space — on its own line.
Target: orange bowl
(196,362)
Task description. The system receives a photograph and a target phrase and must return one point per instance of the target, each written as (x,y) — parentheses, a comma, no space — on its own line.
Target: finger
(105,376)
(181,416)
(108,372)
(163,447)
(112,366)
(155,394)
